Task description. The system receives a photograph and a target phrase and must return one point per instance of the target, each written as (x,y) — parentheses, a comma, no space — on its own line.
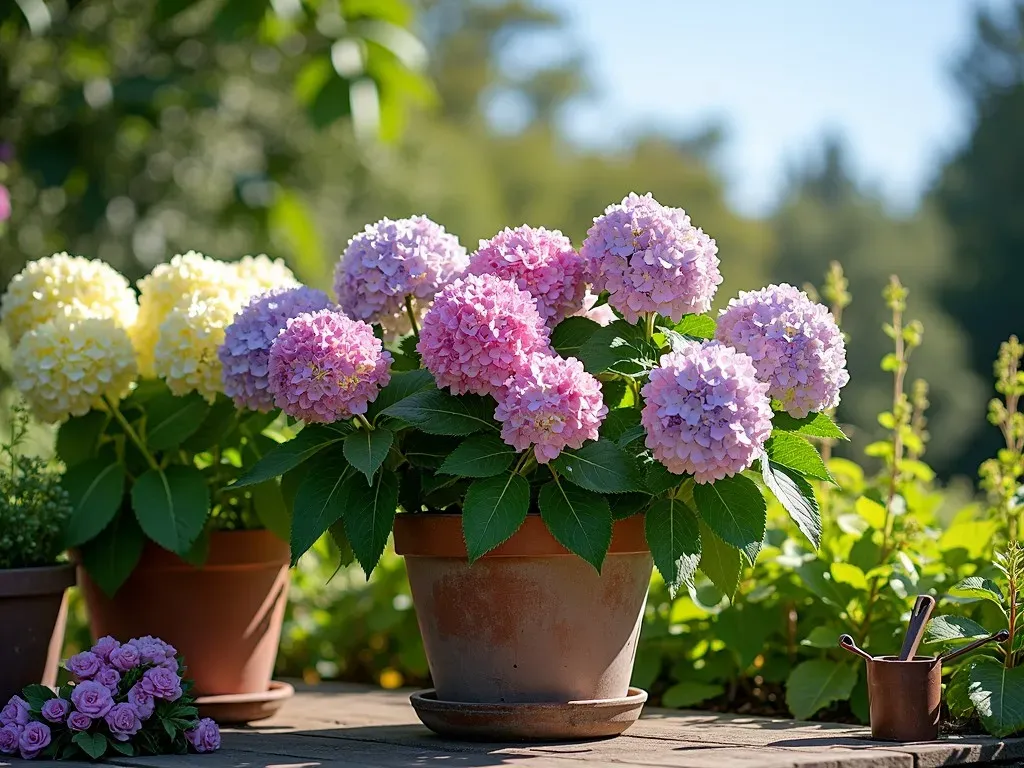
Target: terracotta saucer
(571,721)
(237,708)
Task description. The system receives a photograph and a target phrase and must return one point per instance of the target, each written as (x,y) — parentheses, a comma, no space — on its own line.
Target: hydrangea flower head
(391,260)
(650,258)
(67,366)
(185,355)
(550,403)
(65,285)
(602,315)
(706,412)
(245,353)
(541,262)
(795,344)
(261,273)
(324,367)
(480,331)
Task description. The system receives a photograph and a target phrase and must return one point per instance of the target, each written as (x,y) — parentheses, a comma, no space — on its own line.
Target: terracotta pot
(224,617)
(529,622)
(33,612)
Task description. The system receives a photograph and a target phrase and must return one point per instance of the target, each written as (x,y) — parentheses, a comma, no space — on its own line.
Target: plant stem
(130,431)
(412,316)
(363,422)
(649,325)
(524,464)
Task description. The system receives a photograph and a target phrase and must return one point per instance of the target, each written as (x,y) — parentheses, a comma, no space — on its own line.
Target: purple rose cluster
(118,690)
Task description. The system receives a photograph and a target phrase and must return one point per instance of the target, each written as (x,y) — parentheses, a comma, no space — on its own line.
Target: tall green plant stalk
(1002,477)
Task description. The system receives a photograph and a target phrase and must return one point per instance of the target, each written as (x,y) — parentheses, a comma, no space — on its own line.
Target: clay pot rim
(917,660)
(431,534)
(428,699)
(40,580)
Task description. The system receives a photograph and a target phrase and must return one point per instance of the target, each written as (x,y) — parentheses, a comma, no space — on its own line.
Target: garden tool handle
(1000,637)
(923,607)
(847,642)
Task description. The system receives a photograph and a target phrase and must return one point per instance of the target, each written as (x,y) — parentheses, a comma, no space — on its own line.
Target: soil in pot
(225,617)
(529,622)
(33,612)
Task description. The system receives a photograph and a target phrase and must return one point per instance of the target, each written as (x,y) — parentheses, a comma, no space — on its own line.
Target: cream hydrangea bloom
(185,355)
(65,285)
(66,366)
(263,273)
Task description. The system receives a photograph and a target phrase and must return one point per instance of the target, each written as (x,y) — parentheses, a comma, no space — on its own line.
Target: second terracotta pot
(225,617)
(529,621)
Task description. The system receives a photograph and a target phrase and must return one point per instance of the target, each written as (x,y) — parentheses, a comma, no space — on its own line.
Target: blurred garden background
(885,137)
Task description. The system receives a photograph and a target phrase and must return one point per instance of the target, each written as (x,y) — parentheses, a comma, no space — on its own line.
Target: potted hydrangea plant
(154,423)
(543,446)
(34,511)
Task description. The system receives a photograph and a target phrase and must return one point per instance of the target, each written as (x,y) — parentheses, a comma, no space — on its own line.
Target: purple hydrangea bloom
(161,683)
(706,412)
(123,721)
(15,712)
(480,331)
(77,721)
(325,367)
(92,698)
(245,353)
(34,738)
(109,677)
(650,258)
(794,342)
(143,702)
(55,710)
(205,737)
(9,735)
(104,647)
(84,665)
(543,263)
(551,404)
(391,260)
(125,657)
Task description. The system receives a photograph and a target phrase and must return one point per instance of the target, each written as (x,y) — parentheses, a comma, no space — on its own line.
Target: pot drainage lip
(529,722)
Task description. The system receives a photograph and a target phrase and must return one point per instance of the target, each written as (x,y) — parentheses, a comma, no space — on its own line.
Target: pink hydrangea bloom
(706,412)
(391,260)
(325,367)
(480,331)
(550,403)
(541,262)
(602,315)
(794,342)
(650,258)
(245,353)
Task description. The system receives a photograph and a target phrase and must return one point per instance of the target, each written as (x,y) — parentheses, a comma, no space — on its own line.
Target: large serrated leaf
(673,534)
(571,334)
(287,456)
(439,413)
(814,684)
(797,497)
(366,450)
(795,453)
(812,425)
(580,520)
(171,506)
(619,348)
(599,466)
(402,385)
(493,510)
(734,508)
(369,517)
(483,455)
(96,490)
(171,419)
(78,437)
(719,561)
(978,588)
(953,629)
(321,498)
(110,557)
(998,695)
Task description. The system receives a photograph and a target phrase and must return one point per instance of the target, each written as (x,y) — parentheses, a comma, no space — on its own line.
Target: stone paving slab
(346,726)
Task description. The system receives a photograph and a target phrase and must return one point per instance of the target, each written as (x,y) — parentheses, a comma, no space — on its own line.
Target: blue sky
(780,74)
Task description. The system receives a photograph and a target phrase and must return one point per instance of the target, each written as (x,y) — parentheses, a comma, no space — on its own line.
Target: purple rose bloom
(34,739)
(125,657)
(144,703)
(109,677)
(9,739)
(205,737)
(84,665)
(161,683)
(123,721)
(92,698)
(55,710)
(153,650)
(15,713)
(104,647)
(79,722)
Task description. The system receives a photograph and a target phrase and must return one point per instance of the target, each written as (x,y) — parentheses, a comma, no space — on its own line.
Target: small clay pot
(529,622)
(904,698)
(225,617)
(33,613)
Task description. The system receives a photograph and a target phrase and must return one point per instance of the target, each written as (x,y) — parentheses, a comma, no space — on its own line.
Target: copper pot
(905,697)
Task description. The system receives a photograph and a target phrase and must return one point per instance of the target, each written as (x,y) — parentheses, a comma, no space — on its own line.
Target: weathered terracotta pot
(33,612)
(529,622)
(224,617)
